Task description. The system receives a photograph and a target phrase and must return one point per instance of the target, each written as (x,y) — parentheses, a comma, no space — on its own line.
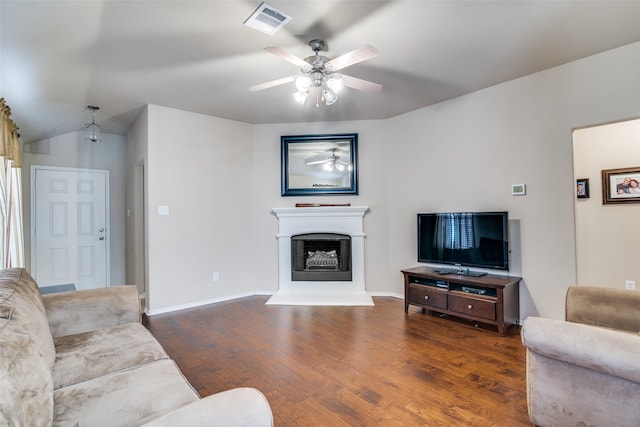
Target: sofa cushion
(89,309)
(87,355)
(606,307)
(26,353)
(26,390)
(129,397)
(20,300)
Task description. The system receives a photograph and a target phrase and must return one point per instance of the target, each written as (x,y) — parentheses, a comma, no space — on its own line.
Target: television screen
(471,239)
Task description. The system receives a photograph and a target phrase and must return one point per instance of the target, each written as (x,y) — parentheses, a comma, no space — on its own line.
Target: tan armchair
(585,371)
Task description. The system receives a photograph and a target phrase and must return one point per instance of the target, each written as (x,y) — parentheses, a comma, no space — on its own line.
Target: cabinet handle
(426,297)
(470,307)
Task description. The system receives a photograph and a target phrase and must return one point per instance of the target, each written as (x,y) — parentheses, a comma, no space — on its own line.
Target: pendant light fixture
(93,131)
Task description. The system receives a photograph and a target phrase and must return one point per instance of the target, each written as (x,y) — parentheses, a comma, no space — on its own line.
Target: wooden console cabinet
(488,299)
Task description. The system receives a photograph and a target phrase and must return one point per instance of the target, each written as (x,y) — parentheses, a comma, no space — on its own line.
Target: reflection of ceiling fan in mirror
(319,76)
(330,162)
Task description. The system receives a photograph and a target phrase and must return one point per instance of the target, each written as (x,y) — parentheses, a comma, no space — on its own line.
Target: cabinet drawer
(473,306)
(427,295)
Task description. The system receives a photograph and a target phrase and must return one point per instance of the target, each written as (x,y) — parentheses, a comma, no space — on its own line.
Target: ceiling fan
(319,73)
(330,163)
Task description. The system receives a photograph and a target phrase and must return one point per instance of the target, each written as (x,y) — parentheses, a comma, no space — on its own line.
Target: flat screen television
(464,239)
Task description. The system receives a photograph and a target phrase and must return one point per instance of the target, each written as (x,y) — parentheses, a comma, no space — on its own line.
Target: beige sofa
(585,371)
(83,358)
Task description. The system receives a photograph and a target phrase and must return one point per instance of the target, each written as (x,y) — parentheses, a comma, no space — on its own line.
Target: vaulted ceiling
(59,56)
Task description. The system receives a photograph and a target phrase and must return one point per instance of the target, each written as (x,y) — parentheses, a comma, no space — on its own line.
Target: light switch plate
(163,210)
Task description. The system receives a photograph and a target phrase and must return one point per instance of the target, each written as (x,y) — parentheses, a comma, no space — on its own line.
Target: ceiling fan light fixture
(303,83)
(93,131)
(329,97)
(335,83)
(300,97)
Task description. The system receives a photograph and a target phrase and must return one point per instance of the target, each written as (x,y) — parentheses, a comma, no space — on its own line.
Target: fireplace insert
(321,257)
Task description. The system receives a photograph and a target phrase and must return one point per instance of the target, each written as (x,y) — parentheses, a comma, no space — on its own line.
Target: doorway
(70,227)
(607,236)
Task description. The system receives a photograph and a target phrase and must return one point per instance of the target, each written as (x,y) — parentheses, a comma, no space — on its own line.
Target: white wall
(607,236)
(73,151)
(462,154)
(137,141)
(200,167)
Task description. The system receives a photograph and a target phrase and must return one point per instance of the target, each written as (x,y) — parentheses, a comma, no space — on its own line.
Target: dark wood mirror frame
(314,165)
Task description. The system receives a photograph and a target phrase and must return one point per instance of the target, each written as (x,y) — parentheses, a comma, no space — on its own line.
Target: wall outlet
(630,285)
(216,277)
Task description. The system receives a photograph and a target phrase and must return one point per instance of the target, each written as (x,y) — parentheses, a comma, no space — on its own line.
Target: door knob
(100,229)
(100,238)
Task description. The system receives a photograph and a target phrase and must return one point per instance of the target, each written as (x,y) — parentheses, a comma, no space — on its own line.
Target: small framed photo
(621,185)
(518,189)
(582,188)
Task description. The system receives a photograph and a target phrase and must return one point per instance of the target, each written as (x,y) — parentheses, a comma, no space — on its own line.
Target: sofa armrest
(86,310)
(232,408)
(603,350)
(606,307)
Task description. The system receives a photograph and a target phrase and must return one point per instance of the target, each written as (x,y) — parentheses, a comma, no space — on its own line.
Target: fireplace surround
(338,224)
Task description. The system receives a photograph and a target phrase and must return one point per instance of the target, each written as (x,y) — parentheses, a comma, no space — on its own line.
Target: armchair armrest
(86,310)
(603,350)
(606,307)
(232,408)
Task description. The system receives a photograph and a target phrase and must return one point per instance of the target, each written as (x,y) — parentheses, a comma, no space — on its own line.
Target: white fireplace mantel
(348,220)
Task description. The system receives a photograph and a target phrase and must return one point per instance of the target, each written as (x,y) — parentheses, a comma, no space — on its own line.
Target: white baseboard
(194,304)
(386,294)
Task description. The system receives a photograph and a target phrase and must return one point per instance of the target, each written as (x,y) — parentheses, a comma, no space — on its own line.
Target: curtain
(11,227)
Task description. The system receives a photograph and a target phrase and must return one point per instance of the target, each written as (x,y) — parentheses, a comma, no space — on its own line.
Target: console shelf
(490,299)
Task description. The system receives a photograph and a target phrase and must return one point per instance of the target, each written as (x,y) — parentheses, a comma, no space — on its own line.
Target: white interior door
(69,233)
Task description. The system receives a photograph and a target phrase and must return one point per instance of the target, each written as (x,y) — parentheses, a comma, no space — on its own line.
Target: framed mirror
(319,164)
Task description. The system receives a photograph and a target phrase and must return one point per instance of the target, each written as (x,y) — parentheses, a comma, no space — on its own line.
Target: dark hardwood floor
(351,366)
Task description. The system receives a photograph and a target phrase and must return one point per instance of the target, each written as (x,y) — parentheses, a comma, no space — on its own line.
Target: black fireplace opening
(321,257)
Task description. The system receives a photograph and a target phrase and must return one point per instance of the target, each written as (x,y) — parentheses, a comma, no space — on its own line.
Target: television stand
(490,299)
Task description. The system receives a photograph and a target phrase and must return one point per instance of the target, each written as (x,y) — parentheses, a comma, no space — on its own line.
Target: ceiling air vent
(267,19)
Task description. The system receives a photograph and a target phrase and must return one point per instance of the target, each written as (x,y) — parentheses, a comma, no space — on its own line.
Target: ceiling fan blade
(317,162)
(272,83)
(362,85)
(289,58)
(358,55)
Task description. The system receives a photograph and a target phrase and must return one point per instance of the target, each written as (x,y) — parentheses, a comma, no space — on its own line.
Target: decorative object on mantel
(317,205)
(315,165)
(621,185)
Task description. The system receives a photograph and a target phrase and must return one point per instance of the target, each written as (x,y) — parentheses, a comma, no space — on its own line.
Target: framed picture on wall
(621,185)
(582,188)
